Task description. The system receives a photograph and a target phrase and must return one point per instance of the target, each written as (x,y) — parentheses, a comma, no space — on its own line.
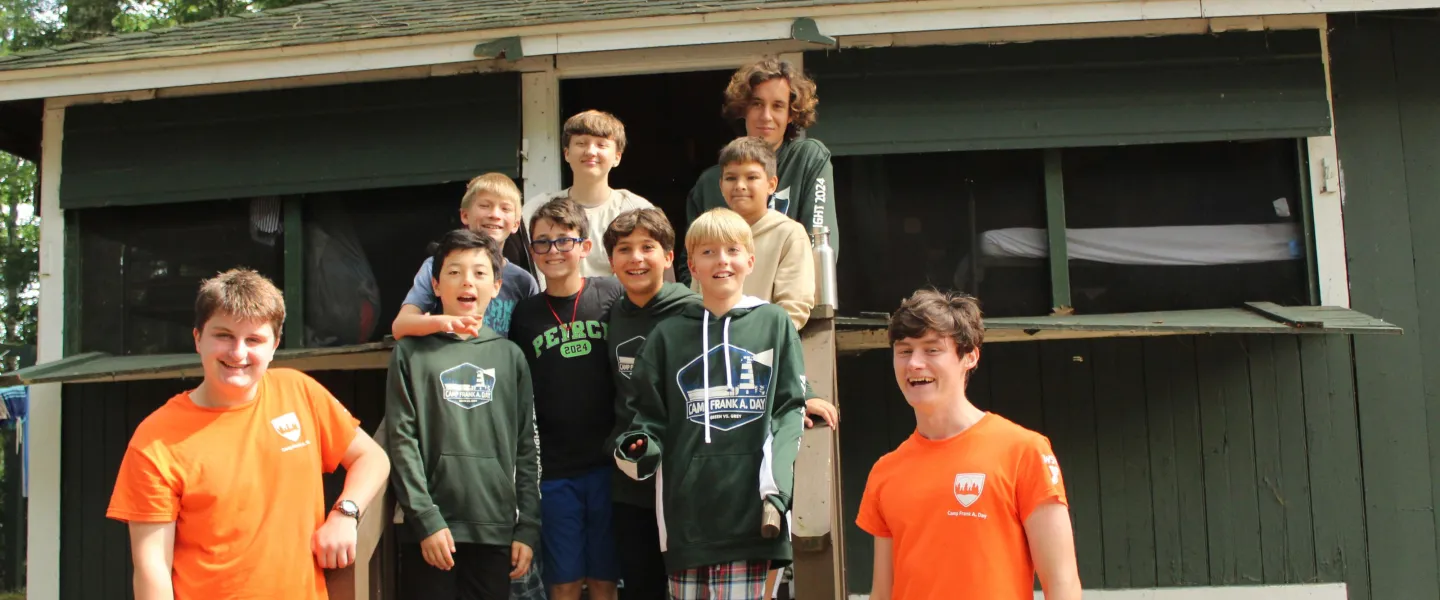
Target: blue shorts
(577,540)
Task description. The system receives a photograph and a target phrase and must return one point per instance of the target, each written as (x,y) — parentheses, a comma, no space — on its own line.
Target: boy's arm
(412,320)
(786,420)
(152,547)
(883,578)
(1052,544)
(647,403)
(527,462)
(402,443)
(794,287)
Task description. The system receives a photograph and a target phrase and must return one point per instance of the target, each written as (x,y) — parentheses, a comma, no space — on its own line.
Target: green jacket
(805,192)
(722,427)
(629,326)
(460,432)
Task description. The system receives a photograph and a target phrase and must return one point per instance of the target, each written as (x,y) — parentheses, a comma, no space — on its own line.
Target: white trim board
(769,25)
(1316,591)
(43,521)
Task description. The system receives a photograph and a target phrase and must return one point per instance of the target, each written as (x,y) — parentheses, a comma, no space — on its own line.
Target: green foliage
(140,15)
(19,251)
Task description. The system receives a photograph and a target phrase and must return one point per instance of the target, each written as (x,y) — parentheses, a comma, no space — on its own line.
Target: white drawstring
(705,368)
(725,336)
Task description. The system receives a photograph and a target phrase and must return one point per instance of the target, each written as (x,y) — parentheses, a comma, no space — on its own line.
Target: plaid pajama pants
(741,580)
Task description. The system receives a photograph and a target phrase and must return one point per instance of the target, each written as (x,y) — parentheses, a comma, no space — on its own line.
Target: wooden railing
(818,534)
(372,577)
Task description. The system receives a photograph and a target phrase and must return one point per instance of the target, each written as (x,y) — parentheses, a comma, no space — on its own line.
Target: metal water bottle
(826,292)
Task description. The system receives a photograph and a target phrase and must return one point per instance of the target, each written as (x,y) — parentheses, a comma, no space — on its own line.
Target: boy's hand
(453,324)
(823,409)
(636,449)
(520,557)
(333,544)
(438,548)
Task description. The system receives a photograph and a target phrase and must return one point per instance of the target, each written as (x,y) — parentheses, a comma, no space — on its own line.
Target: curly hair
(802,92)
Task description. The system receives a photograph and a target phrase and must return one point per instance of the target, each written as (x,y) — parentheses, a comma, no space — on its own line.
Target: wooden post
(818,531)
(371,576)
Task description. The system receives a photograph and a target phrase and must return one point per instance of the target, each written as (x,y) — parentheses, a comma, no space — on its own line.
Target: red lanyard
(573,311)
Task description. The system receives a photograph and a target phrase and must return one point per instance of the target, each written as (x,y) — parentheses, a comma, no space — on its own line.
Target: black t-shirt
(566,344)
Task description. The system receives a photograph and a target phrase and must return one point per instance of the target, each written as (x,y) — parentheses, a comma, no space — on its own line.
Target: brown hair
(652,220)
(596,123)
(719,226)
(952,314)
(242,294)
(802,92)
(498,184)
(565,213)
(748,150)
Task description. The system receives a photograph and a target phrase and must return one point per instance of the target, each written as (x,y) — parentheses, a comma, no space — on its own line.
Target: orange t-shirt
(955,511)
(242,484)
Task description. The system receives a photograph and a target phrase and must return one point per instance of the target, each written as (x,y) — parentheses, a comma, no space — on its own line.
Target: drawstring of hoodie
(705,364)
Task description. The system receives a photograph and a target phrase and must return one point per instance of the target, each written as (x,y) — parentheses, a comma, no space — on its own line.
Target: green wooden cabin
(1242,419)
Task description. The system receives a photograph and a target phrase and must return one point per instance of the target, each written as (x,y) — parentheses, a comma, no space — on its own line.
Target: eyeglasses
(564,244)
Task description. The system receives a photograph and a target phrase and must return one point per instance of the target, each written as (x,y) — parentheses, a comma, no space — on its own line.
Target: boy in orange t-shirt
(972,505)
(221,485)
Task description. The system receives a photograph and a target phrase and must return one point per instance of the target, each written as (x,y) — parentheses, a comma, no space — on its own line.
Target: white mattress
(1184,245)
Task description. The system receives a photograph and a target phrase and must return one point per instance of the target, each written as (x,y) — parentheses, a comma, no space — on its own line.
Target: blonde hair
(498,184)
(242,294)
(719,226)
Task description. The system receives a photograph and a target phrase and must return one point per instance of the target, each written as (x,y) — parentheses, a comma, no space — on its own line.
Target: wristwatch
(348,508)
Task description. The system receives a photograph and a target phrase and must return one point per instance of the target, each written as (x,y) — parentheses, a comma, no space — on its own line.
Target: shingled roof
(351,20)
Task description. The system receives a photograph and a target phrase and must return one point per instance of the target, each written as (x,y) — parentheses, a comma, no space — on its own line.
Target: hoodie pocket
(473,489)
(718,499)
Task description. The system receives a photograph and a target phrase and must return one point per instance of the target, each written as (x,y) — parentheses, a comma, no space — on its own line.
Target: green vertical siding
(1388,131)
(1188,460)
(99,420)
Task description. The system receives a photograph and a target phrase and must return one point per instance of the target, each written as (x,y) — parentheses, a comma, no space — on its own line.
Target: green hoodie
(460,432)
(805,192)
(629,325)
(721,427)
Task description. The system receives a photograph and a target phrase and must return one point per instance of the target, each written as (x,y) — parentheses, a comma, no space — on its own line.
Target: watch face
(348,508)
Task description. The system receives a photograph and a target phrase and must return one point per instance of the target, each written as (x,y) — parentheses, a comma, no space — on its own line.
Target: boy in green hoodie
(461,433)
(722,440)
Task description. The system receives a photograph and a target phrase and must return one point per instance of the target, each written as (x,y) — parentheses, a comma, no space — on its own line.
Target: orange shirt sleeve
(335,427)
(1038,480)
(871,519)
(147,490)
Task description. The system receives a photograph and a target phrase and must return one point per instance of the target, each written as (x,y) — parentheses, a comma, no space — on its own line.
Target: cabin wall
(1189,461)
(99,420)
(1387,116)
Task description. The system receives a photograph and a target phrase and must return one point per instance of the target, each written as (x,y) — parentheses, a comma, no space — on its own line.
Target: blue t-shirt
(515,284)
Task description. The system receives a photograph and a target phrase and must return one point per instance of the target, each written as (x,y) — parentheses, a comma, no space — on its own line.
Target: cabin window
(1149,227)
(140,267)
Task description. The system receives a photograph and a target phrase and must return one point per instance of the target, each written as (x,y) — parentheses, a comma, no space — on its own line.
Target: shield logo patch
(968,487)
(287,425)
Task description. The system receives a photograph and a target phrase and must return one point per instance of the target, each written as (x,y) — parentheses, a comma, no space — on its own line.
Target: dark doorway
(673,128)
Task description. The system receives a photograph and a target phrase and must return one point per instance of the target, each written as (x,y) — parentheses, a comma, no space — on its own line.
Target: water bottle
(826,292)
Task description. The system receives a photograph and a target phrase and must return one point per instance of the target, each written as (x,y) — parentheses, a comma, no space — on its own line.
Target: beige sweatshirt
(784,266)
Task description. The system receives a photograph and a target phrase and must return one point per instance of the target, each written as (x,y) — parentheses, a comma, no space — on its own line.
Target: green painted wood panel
(330,138)
(1380,125)
(1230,86)
(1177,466)
(1333,445)
(1070,421)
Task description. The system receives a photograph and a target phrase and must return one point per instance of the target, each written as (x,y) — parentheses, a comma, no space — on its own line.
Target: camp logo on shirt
(780,201)
(968,487)
(467,386)
(740,402)
(625,354)
(287,425)
(573,338)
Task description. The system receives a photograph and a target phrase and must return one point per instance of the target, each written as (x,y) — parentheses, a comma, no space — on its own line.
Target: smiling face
(234,353)
(492,215)
(554,264)
(747,189)
(930,372)
(467,283)
(721,268)
(591,156)
(769,111)
(639,262)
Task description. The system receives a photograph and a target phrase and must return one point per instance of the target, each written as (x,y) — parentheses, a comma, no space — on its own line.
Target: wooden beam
(363,578)
(42,562)
(818,530)
(1055,227)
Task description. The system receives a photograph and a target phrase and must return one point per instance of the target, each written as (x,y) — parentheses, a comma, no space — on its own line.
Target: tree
(19,254)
